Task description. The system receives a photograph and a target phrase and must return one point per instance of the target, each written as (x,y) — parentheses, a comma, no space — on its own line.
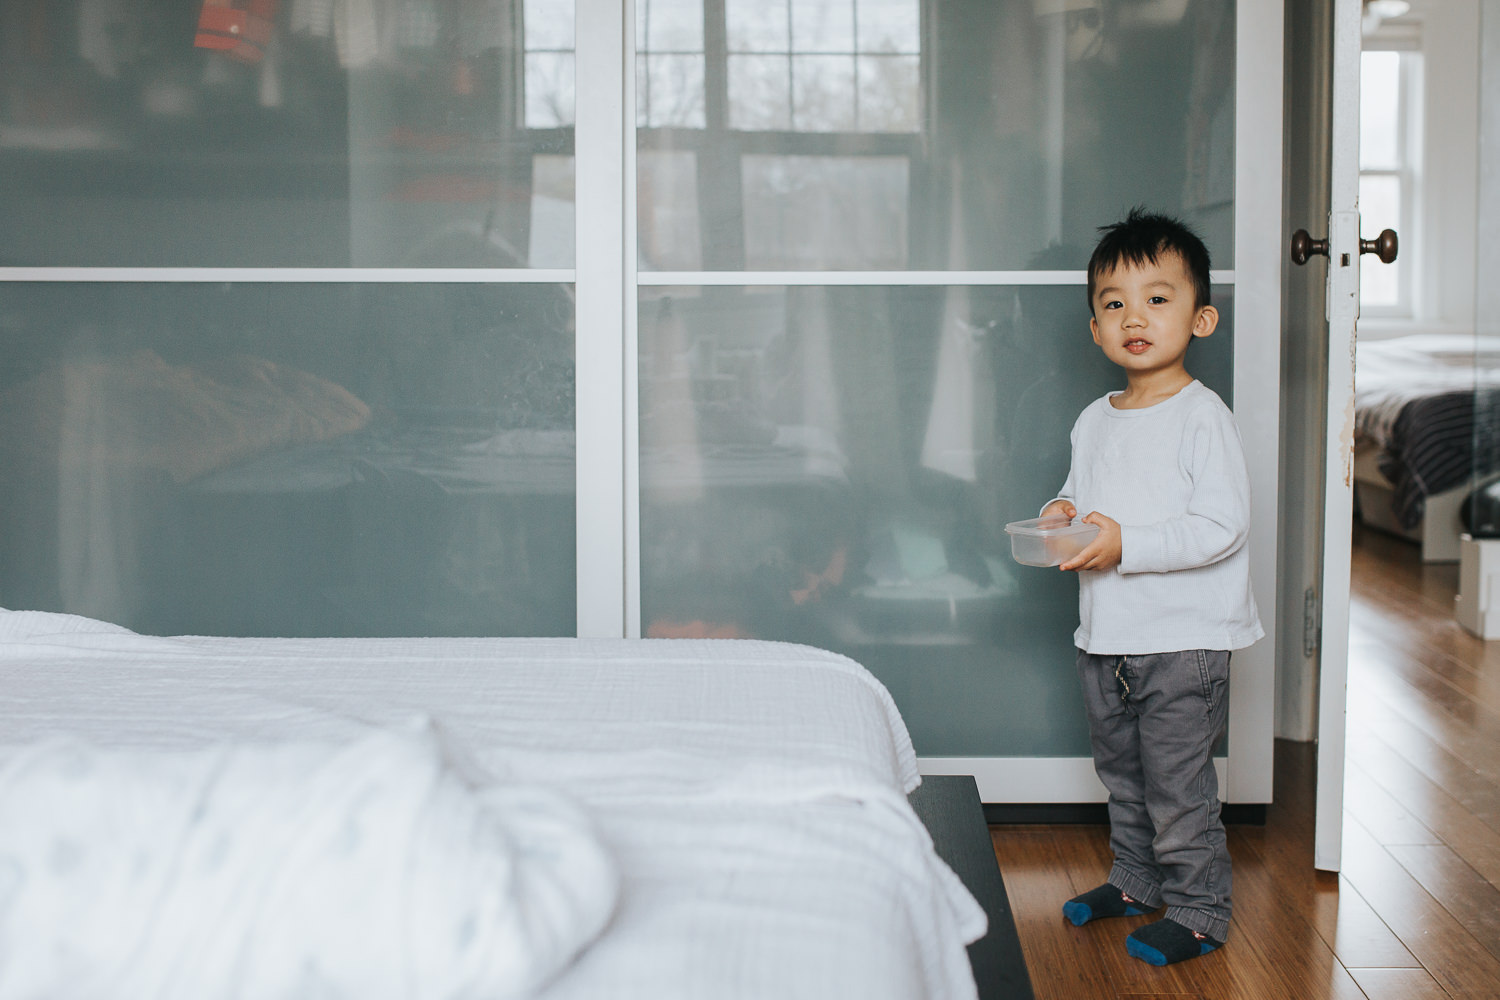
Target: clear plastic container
(1048,541)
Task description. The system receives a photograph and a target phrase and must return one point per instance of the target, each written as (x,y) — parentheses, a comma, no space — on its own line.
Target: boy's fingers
(1081,560)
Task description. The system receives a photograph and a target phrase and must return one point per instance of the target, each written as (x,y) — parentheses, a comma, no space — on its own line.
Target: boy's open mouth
(1136,345)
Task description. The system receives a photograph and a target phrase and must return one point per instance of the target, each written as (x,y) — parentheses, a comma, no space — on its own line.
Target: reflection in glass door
(792,388)
(862,332)
(288,316)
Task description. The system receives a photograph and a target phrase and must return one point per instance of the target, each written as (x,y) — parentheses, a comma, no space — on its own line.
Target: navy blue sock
(1166,941)
(1102,901)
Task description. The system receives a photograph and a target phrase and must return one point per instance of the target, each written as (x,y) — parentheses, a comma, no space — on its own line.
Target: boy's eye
(1115,304)
(1157,300)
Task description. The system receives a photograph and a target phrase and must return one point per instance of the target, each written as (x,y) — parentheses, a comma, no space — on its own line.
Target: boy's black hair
(1142,238)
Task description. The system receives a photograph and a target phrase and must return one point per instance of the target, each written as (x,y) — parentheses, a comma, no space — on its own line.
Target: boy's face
(1144,317)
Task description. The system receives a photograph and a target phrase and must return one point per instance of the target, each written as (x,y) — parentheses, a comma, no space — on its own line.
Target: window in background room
(1389,145)
(777,134)
(838,66)
(549,43)
(669,63)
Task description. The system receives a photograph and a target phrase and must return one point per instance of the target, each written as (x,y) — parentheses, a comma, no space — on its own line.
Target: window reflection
(807,65)
(670,88)
(669,64)
(1019,126)
(760,93)
(256,133)
(550,46)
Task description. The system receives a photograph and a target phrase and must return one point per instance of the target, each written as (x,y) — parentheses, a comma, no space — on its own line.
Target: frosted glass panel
(836,465)
(170,134)
(796,207)
(669,25)
(1022,127)
(290,459)
(760,92)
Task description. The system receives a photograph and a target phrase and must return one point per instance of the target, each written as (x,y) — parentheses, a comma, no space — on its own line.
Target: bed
(669,818)
(1417,455)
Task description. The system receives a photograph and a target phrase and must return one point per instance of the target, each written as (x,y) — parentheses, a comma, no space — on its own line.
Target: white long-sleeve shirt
(1173,476)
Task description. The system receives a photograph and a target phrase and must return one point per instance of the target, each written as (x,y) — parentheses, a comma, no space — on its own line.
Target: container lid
(1049,527)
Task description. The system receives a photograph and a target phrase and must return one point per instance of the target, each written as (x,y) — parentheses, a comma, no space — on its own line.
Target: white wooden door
(1343,248)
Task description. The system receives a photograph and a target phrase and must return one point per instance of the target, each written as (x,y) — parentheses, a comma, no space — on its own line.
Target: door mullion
(604,78)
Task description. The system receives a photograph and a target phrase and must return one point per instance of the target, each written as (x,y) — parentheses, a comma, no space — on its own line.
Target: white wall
(1451,154)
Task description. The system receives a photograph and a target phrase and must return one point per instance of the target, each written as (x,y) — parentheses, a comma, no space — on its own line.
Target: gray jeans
(1154,720)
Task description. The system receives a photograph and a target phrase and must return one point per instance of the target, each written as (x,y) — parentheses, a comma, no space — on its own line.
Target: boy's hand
(1060,508)
(1103,552)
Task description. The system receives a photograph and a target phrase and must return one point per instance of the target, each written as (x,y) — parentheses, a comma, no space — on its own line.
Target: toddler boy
(1164,589)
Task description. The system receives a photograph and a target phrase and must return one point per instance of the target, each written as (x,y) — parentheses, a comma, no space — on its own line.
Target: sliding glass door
(862,227)
(288,316)
(666,317)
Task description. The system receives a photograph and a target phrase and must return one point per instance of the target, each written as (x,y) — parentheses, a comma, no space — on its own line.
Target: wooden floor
(1414,915)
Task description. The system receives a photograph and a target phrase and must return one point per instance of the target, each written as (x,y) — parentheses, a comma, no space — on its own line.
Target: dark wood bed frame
(950,808)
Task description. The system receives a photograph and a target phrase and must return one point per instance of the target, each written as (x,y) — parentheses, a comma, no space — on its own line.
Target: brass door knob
(1383,246)
(1304,246)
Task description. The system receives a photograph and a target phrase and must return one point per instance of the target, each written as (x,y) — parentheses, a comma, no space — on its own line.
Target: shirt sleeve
(1216,522)
(1067,491)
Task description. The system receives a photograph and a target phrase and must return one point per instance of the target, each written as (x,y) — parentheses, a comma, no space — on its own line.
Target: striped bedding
(1416,398)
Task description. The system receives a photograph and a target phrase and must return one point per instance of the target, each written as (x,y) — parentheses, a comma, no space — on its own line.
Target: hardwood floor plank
(1281,950)
(1457,887)
(1381,561)
(1346,923)
(1457,723)
(1399,984)
(1444,946)
(1366,799)
(1462,692)
(1453,823)
(1391,723)
(1038,881)
(1355,932)
(1448,654)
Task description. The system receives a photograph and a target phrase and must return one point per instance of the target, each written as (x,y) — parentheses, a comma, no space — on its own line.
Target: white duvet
(750,795)
(364,870)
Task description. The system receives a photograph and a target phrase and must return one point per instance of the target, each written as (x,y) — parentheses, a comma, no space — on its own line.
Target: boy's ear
(1094,329)
(1205,322)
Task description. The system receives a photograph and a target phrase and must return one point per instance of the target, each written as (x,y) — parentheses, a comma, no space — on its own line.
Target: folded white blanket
(365,870)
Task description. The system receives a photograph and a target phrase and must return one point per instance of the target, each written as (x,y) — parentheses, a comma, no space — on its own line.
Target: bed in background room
(1417,456)
(491,818)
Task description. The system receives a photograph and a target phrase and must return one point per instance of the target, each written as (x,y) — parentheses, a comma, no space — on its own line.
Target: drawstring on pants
(1120,676)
